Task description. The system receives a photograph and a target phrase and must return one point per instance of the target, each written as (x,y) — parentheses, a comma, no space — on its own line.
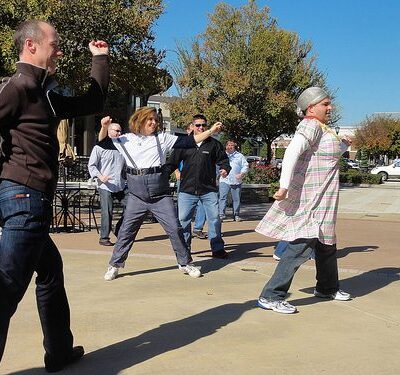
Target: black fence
(76,171)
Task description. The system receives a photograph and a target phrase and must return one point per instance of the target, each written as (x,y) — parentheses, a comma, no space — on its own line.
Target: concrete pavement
(153,319)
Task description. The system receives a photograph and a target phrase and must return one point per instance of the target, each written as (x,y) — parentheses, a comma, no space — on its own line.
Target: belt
(143,171)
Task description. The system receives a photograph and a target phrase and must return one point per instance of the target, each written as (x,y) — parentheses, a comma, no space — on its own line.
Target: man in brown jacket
(30,111)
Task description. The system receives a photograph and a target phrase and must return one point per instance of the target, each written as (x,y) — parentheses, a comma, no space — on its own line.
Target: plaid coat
(310,209)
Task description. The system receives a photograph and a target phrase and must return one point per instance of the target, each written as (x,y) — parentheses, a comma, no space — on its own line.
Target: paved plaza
(154,320)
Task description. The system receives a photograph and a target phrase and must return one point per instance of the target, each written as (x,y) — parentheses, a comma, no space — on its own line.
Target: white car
(388,171)
(352,164)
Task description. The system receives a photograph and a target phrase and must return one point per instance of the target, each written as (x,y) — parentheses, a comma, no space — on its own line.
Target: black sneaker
(106,243)
(53,365)
(220,254)
(199,234)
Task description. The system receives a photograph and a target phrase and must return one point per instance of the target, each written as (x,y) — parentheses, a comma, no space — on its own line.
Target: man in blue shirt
(233,182)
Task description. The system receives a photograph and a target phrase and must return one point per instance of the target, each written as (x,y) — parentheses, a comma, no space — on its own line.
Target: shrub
(261,174)
(280,153)
(357,177)
(273,188)
(343,166)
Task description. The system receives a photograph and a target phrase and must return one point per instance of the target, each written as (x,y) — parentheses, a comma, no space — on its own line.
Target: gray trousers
(135,212)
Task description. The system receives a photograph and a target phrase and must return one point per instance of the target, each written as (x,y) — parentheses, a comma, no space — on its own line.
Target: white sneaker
(111,273)
(280,306)
(190,270)
(276,257)
(340,295)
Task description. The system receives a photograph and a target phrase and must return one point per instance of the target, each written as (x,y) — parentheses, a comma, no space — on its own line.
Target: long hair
(139,118)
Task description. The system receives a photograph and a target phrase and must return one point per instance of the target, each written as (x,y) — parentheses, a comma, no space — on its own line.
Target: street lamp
(337,129)
(259,139)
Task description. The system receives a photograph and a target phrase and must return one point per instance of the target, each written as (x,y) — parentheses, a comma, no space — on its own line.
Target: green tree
(13,12)
(378,135)
(280,152)
(264,151)
(246,148)
(247,72)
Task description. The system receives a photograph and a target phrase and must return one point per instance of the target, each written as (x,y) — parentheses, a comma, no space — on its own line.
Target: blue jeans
(107,207)
(25,248)
(186,206)
(200,217)
(281,247)
(224,190)
(296,253)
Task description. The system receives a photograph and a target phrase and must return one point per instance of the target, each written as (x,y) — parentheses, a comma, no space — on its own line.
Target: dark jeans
(107,207)
(295,254)
(25,248)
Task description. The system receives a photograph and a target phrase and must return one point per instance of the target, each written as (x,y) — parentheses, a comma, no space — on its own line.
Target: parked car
(352,163)
(277,163)
(388,171)
(253,159)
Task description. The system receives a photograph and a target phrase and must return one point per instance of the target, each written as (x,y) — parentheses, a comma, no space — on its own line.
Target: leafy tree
(378,135)
(125,25)
(247,72)
(246,148)
(12,13)
(264,151)
(343,166)
(280,153)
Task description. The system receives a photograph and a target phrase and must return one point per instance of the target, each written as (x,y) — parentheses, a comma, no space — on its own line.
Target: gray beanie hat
(310,96)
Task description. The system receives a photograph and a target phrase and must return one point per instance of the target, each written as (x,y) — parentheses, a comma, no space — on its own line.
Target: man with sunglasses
(106,164)
(199,183)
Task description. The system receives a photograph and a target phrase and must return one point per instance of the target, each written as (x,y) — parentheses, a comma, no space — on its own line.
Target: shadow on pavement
(237,253)
(152,270)
(113,359)
(341,253)
(358,285)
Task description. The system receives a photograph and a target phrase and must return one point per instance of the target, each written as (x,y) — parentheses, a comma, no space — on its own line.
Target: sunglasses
(200,125)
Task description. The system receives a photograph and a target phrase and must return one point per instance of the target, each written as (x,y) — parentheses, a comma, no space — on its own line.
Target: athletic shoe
(238,218)
(280,306)
(199,234)
(106,243)
(276,257)
(222,218)
(111,273)
(340,295)
(190,270)
(54,365)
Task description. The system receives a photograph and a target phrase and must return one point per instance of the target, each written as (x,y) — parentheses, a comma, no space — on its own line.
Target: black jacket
(198,175)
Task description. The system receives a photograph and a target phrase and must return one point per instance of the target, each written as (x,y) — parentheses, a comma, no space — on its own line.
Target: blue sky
(357,43)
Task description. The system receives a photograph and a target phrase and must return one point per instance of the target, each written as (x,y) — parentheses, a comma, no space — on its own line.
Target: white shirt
(144,150)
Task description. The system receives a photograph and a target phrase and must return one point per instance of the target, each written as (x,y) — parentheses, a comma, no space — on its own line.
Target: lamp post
(259,139)
(337,129)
